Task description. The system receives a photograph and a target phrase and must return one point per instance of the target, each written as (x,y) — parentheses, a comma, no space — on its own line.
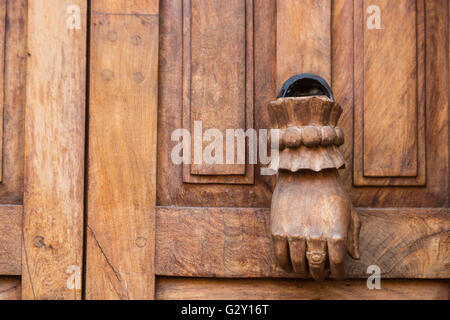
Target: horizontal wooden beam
(236,243)
(288,289)
(10,239)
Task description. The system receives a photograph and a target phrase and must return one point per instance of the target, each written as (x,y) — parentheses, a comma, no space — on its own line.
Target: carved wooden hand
(313,221)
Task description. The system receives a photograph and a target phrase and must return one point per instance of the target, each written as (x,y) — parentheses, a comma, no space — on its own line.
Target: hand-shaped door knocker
(313,222)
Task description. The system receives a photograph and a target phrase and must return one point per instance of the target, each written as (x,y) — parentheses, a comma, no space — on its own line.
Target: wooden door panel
(430,187)
(221,230)
(241,190)
(218,60)
(390,94)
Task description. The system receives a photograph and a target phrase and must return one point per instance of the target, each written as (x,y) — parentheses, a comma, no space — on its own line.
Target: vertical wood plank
(54,149)
(122,156)
(11,187)
(2,76)
(303,39)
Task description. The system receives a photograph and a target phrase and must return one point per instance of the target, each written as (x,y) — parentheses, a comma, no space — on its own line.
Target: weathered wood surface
(303,38)
(390,92)
(171,189)
(295,289)
(10,239)
(2,74)
(54,150)
(236,242)
(220,95)
(10,288)
(435,192)
(138,7)
(11,188)
(122,155)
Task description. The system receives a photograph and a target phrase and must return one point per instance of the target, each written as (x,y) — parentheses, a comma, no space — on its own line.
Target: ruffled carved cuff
(309,136)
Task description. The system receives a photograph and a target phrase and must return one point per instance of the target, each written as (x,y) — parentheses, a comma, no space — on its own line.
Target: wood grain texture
(216,96)
(122,157)
(237,289)
(54,150)
(219,93)
(390,94)
(303,39)
(236,242)
(125,7)
(435,192)
(2,75)
(10,239)
(171,189)
(11,188)
(10,288)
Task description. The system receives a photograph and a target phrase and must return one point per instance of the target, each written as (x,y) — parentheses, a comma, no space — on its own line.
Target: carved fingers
(281,250)
(297,249)
(315,257)
(336,252)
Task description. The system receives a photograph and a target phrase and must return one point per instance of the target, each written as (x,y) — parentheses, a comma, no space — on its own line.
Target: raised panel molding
(389,94)
(218,79)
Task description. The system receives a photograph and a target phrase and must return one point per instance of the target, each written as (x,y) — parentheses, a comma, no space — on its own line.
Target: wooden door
(107,212)
(222,63)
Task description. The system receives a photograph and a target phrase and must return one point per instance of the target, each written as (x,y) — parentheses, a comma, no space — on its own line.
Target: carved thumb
(353,234)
